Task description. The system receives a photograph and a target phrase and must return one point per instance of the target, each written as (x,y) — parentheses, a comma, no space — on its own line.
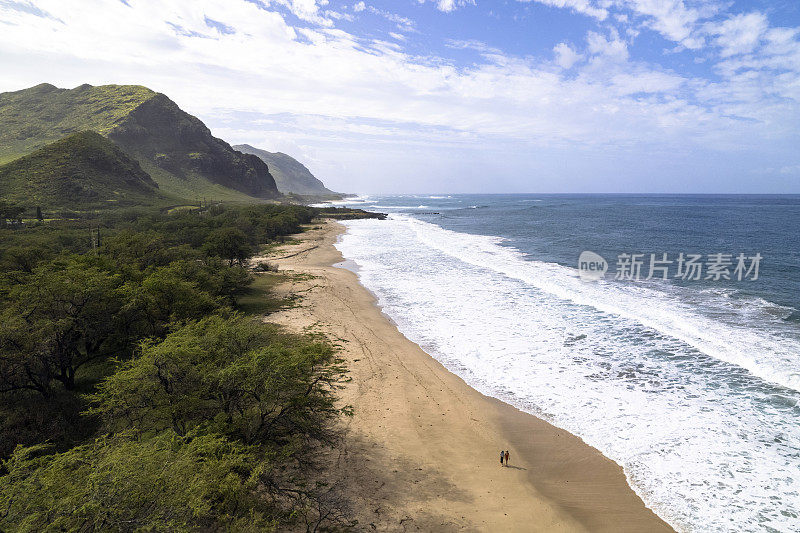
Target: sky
(457,96)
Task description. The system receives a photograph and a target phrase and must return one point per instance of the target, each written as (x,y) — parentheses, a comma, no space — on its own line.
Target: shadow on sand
(384,490)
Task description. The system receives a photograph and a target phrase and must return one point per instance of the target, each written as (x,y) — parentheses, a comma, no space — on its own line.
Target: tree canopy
(137,397)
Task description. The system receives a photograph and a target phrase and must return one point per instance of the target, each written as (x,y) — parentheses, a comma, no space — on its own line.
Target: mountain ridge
(34,117)
(175,148)
(291,176)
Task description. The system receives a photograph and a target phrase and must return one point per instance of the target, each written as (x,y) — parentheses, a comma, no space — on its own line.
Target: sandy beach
(422,448)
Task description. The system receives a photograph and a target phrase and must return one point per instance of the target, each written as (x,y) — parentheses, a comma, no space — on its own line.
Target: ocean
(691,385)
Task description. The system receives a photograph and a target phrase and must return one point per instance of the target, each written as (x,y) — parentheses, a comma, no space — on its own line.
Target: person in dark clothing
(502,456)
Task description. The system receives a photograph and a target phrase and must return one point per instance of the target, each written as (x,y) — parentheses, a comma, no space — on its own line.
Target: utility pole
(95,239)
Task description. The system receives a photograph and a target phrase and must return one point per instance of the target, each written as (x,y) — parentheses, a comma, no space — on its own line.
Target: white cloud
(330,72)
(450,5)
(566,56)
(307,10)
(337,15)
(358,7)
(403,23)
(672,19)
(584,7)
(338,95)
(608,48)
(739,34)
(478,46)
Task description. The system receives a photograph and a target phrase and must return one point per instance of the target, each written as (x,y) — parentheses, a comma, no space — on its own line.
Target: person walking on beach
(502,455)
(506,457)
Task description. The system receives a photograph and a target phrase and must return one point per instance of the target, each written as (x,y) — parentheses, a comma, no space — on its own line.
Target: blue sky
(455,95)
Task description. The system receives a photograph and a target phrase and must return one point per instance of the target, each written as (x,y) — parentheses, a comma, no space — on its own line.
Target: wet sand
(422,448)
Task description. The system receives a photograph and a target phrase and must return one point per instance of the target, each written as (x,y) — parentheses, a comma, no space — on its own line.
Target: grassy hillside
(290,175)
(175,148)
(84,170)
(193,187)
(34,117)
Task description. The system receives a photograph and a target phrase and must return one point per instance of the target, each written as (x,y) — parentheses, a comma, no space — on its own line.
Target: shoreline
(421,448)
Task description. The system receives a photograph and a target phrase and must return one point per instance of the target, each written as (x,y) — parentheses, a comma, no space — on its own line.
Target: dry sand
(422,449)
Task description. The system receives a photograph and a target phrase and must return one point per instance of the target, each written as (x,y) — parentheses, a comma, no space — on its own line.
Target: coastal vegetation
(141,389)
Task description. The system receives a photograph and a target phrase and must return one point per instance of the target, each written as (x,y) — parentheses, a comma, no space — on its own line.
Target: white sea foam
(404,207)
(666,391)
(774,359)
(351,200)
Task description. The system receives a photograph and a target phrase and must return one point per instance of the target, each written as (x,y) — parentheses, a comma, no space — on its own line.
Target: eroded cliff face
(160,133)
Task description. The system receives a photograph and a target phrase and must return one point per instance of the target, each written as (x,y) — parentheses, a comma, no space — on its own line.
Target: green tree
(22,258)
(10,212)
(239,376)
(214,422)
(165,482)
(62,318)
(141,250)
(228,243)
(167,296)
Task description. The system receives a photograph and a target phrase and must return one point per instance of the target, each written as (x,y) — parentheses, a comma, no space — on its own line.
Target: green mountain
(174,147)
(291,175)
(84,170)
